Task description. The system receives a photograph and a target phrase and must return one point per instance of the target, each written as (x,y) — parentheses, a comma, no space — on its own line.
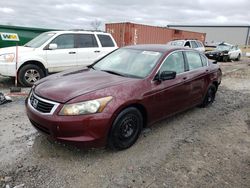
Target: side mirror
(52,46)
(166,75)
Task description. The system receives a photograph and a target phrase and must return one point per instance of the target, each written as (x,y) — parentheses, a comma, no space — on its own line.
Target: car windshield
(39,40)
(176,43)
(223,47)
(129,62)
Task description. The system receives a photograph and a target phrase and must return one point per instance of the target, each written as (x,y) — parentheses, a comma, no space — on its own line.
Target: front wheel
(210,96)
(125,129)
(238,57)
(29,74)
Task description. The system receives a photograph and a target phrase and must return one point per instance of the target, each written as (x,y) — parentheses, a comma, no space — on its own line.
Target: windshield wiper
(113,72)
(91,67)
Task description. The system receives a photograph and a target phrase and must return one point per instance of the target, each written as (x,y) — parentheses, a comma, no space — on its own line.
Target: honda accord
(109,102)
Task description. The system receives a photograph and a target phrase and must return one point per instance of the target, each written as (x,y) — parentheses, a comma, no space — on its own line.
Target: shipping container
(131,34)
(25,34)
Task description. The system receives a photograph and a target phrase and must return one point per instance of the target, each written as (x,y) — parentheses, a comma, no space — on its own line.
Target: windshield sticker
(150,53)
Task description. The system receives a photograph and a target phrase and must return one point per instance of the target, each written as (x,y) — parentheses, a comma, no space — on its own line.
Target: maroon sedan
(111,101)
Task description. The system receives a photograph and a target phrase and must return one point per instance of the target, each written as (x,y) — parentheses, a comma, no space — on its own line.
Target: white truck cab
(54,51)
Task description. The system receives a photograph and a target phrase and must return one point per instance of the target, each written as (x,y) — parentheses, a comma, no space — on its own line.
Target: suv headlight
(86,107)
(7,57)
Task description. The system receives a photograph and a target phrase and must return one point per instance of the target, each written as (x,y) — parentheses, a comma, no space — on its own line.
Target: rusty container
(131,34)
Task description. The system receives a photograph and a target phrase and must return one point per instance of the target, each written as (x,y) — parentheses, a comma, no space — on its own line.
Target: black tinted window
(194,60)
(64,41)
(174,62)
(86,41)
(106,41)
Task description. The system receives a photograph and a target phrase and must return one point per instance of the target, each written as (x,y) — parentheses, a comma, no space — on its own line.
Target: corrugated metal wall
(131,34)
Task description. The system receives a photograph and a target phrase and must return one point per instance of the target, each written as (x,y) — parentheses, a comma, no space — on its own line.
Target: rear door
(64,56)
(198,75)
(87,49)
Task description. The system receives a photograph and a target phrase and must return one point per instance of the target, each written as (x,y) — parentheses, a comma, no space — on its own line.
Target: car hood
(21,49)
(217,51)
(65,86)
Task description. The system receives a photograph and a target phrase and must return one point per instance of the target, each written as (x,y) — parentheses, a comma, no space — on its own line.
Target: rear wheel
(125,129)
(29,74)
(210,96)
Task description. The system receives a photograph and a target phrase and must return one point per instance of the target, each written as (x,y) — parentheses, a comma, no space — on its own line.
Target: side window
(64,41)
(199,44)
(194,60)
(194,45)
(106,41)
(203,60)
(86,41)
(174,62)
(187,44)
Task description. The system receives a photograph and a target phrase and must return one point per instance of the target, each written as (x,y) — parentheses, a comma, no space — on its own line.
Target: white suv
(54,51)
(195,44)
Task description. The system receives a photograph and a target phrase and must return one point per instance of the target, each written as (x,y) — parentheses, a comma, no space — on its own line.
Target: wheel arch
(136,105)
(34,62)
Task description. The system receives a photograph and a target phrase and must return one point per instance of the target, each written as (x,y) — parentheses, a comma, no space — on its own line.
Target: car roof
(155,47)
(77,31)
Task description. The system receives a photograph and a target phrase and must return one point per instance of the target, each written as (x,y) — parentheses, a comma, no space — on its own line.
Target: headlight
(86,107)
(7,57)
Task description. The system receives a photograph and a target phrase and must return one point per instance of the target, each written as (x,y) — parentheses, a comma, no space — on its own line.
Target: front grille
(40,127)
(42,105)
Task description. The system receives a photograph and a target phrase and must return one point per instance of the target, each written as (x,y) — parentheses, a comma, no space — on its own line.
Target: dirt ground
(202,147)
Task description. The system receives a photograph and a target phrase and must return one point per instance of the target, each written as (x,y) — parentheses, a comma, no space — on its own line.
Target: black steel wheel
(29,74)
(125,129)
(210,96)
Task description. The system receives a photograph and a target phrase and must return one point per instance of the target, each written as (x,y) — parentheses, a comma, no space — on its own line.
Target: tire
(225,59)
(125,129)
(29,74)
(238,58)
(210,96)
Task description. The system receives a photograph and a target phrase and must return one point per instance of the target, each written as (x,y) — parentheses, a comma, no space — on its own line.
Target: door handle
(184,78)
(97,51)
(72,52)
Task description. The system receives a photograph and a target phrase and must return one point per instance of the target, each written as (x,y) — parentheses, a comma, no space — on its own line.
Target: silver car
(195,44)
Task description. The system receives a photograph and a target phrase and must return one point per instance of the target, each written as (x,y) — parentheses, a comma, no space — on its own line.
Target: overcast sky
(72,14)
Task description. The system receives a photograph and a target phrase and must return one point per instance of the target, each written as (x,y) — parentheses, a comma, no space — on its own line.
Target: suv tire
(29,74)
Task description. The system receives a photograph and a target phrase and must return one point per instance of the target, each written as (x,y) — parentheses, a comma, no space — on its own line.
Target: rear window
(194,44)
(204,60)
(199,44)
(86,41)
(194,60)
(106,41)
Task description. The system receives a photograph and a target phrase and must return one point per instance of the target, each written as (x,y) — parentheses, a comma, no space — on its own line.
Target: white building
(234,34)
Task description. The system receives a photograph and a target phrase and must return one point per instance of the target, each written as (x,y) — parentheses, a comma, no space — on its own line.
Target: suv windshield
(39,40)
(129,62)
(223,47)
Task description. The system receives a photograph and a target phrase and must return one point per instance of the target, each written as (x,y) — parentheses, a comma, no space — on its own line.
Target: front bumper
(86,130)
(8,69)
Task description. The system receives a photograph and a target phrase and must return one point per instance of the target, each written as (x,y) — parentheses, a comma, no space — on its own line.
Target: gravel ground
(207,147)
